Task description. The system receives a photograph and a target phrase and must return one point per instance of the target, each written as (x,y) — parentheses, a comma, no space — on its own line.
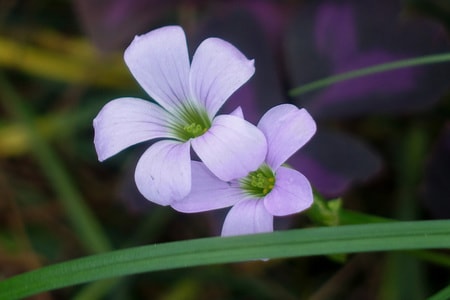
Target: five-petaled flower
(188,97)
(269,190)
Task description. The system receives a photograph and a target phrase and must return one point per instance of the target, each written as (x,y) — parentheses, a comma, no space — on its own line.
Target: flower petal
(163,173)
(208,192)
(159,61)
(247,217)
(292,193)
(238,112)
(218,69)
(231,148)
(287,129)
(127,121)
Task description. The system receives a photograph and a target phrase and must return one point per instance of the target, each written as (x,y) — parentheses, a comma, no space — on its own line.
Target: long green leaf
(293,243)
(417,61)
(443,294)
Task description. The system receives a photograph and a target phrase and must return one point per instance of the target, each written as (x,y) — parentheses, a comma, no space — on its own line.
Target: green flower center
(260,182)
(194,129)
(193,122)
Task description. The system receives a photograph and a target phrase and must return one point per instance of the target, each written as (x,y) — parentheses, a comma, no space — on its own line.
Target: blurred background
(382,146)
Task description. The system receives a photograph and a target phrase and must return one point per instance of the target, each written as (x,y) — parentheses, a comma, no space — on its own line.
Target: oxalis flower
(188,98)
(269,190)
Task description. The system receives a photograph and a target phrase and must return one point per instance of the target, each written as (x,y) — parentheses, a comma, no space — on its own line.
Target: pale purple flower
(270,190)
(189,96)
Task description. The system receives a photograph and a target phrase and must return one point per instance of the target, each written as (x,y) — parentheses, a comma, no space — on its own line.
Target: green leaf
(292,243)
(443,294)
(424,60)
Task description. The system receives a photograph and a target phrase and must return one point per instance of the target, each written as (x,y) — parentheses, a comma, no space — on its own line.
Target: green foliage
(284,244)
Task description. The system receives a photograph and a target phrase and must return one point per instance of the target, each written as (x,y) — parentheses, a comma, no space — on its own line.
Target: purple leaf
(348,35)
(332,161)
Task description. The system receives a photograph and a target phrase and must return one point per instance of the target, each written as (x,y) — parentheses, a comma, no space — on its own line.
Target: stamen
(193,122)
(260,182)
(194,130)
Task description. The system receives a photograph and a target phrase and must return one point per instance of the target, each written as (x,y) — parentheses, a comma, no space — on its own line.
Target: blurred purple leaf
(113,24)
(329,38)
(334,41)
(333,161)
(264,89)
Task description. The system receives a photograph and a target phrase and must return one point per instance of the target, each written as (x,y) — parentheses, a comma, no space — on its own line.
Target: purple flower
(270,190)
(333,161)
(189,96)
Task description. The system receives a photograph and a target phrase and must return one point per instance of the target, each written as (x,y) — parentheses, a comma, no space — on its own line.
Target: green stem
(291,243)
(88,229)
(404,275)
(424,60)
